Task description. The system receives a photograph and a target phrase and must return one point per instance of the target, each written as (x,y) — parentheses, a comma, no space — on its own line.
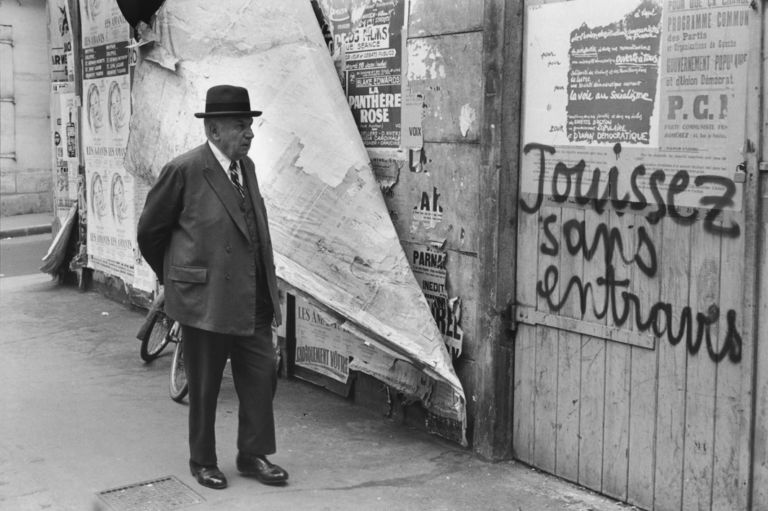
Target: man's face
(233,136)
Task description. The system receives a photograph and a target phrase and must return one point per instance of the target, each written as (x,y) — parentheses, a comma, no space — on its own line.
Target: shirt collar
(222,158)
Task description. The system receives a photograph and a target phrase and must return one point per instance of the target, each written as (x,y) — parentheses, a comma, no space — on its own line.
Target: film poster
(368,54)
(105,115)
(373,55)
(428,265)
(647,94)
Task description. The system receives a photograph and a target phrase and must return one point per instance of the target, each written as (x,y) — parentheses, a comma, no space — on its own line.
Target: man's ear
(214,130)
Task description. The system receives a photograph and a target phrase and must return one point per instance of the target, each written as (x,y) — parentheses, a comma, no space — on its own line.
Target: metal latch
(763,166)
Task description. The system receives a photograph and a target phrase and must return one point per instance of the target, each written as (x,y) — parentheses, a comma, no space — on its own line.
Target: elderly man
(204,232)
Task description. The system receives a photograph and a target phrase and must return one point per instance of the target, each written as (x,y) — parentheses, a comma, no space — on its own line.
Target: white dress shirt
(225,162)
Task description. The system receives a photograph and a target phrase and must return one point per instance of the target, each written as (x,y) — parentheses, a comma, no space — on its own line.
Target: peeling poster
(427,213)
(320,345)
(428,265)
(386,164)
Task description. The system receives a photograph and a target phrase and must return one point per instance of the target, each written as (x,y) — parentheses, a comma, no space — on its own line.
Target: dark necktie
(236,178)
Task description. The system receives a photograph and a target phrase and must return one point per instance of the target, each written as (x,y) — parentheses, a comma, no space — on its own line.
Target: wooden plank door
(635,345)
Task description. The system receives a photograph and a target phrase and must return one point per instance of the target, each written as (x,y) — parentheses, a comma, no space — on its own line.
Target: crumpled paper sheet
(331,231)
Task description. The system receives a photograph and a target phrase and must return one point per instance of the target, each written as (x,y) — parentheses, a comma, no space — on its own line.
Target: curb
(25,231)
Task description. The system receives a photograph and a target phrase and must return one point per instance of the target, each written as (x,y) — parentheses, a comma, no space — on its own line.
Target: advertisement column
(106,111)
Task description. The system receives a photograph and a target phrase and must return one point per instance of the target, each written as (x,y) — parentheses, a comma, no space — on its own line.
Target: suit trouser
(252,359)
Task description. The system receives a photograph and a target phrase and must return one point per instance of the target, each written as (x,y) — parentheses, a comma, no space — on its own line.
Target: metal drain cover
(162,494)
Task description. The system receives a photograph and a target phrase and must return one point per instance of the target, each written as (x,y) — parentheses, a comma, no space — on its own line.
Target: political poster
(640,101)
(320,344)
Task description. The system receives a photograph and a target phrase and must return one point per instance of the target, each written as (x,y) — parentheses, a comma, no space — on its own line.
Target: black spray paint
(618,300)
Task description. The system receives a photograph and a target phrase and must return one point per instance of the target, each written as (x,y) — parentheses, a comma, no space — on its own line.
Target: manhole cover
(163,494)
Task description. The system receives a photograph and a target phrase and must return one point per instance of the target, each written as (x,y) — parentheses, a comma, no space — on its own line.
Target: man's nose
(249,133)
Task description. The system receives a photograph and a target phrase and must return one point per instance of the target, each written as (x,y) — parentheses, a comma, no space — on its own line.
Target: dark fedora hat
(227,101)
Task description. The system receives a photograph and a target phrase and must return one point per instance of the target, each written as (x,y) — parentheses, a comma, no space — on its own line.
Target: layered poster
(373,54)
(64,147)
(367,50)
(643,98)
(428,265)
(332,235)
(320,344)
(106,113)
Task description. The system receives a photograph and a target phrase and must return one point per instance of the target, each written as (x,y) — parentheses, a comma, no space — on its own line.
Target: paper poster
(60,38)
(387,163)
(102,23)
(630,98)
(428,213)
(320,344)
(412,117)
(373,60)
(332,235)
(106,112)
(428,265)
(325,346)
(64,147)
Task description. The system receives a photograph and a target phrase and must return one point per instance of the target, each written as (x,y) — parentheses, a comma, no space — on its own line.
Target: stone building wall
(25,155)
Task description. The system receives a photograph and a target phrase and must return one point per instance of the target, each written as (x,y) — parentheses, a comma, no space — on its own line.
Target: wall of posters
(618,90)
(64,148)
(106,112)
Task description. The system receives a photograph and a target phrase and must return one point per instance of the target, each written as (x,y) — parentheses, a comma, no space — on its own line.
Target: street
(82,414)
(23,255)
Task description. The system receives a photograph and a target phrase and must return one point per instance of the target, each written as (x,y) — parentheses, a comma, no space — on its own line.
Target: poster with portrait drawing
(636,97)
(105,114)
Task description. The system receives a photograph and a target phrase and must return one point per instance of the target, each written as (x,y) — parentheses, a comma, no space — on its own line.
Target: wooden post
(753,462)
(502,68)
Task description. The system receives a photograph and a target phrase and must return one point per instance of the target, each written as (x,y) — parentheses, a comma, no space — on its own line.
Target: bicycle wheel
(178,385)
(157,339)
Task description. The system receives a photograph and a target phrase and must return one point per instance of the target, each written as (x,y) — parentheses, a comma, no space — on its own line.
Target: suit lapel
(223,189)
(249,176)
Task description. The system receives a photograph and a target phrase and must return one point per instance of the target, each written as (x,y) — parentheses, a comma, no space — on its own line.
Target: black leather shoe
(208,475)
(260,468)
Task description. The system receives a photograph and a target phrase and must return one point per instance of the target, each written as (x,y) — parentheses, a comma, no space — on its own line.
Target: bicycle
(153,333)
(157,332)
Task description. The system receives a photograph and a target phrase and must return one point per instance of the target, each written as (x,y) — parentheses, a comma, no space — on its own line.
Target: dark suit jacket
(193,234)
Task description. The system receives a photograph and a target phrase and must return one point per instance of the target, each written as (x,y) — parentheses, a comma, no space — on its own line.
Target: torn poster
(413,112)
(320,345)
(60,38)
(386,164)
(427,214)
(331,231)
(428,265)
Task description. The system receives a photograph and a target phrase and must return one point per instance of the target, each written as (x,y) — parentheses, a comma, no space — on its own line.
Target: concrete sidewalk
(25,225)
(81,413)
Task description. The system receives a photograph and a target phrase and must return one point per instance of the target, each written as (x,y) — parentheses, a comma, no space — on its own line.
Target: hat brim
(237,113)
